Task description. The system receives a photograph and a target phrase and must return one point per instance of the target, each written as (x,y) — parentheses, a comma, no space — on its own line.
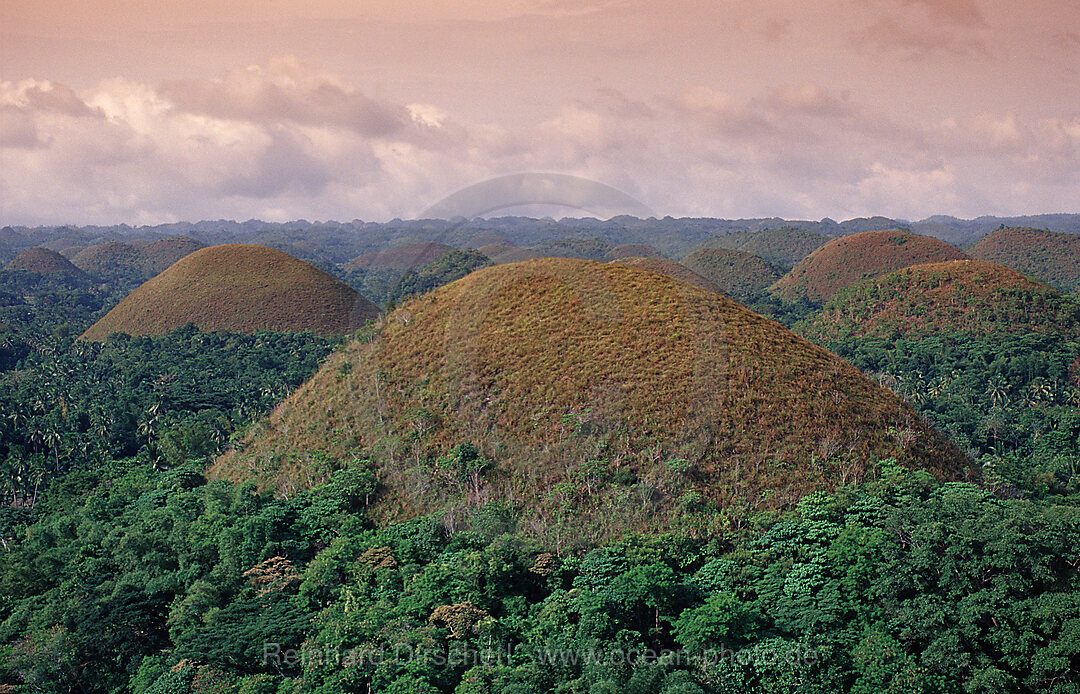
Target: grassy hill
(404,257)
(784,246)
(553,384)
(736,273)
(239,288)
(671,269)
(844,261)
(632,250)
(1050,256)
(970,297)
(109,257)
(44,261)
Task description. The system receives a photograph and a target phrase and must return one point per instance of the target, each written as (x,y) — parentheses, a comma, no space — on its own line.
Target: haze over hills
(340,242)
(549,363)
(1052,257)
(241,288)
(969,297)
(847,259)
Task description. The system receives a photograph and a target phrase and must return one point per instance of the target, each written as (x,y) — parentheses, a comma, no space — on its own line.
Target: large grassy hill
(844,261)
(555,384)
(970,297)
(1050,256)
(240,288)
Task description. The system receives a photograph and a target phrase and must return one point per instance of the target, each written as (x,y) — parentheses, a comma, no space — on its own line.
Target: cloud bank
(285,139)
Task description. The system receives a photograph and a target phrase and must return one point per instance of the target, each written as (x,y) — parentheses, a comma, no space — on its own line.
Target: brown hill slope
(624,394)
(404,257)
(239,288)
(671,269)
(736,273)
(43,260)
(844,261)
(632,250)
(970,297)
(1050,256)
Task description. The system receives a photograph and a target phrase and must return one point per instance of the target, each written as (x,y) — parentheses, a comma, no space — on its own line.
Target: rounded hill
(1050,256)
(43,260)
(404,257)
(671,269)
(239,288)
(784,246)
(845,260)
(970,297)
(736,273)
(109,257)
(557,383)
(632,250)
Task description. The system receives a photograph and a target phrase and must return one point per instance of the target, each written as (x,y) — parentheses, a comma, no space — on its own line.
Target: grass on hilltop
(670,268)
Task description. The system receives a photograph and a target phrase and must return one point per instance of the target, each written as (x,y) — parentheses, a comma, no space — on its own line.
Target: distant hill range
(340,242)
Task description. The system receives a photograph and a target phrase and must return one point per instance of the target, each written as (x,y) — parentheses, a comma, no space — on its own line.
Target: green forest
(125,568)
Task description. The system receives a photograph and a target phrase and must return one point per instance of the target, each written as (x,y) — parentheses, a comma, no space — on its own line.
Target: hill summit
(43,260)
(240,288)
(970,297)
(670,268)
(557,383)
(845,260)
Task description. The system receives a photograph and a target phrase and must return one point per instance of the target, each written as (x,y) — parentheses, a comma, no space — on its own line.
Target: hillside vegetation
(969,297)
(553,385)
(1052,257)
(844,261)
(736,273)
(239,288)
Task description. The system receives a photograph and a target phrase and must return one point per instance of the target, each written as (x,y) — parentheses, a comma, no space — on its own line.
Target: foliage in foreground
(131,580)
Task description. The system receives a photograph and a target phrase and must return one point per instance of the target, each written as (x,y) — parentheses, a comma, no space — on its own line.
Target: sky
(127,111)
